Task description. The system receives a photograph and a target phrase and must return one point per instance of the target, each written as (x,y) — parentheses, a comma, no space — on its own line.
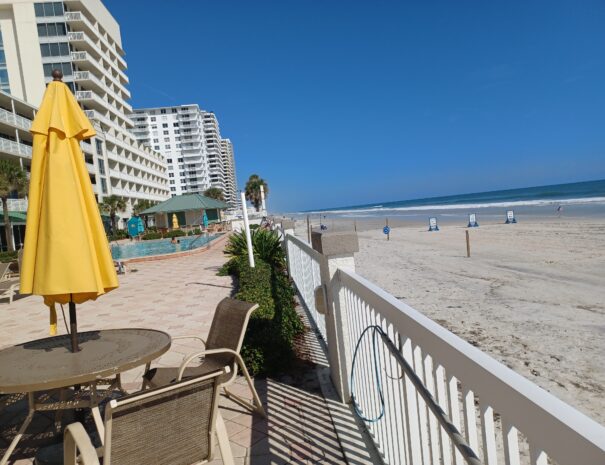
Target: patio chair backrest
(20,259)
(4,270)
(169,425)
(229,324)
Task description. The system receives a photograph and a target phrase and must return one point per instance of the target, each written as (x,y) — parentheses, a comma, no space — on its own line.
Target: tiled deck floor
(179,296)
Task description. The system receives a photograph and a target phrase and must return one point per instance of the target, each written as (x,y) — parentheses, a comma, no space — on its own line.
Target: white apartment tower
(176,132)
(230,176)
(82,39)
(189,138)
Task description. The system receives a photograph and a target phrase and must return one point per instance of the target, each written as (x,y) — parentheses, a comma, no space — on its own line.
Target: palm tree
(13,180)
(142,205)
(214,193)
(112,205)
(252,190)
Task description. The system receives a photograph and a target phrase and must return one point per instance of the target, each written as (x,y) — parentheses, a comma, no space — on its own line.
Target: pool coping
(183,253)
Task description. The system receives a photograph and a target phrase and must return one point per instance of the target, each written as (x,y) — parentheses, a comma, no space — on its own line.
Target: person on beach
(559,210)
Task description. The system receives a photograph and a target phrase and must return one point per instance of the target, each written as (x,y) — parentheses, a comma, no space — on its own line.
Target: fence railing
(304,265)
(503,417)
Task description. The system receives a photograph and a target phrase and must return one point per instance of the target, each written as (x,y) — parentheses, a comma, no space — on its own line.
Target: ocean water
(585,198)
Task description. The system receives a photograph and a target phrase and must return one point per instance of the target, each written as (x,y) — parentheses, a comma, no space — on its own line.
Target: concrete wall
(22,50)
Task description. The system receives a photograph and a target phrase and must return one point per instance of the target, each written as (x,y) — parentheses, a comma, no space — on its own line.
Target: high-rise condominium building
(190,140)
(83,40)
(176,132)
(230,176)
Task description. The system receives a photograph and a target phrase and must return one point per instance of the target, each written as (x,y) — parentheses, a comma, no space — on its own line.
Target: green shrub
(6,257)
(118,235)
(254,226)
(151,235)
(268,345)
(194,232)
(175,233)
(265,245)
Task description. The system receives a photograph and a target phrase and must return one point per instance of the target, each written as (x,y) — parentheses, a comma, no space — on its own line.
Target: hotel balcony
(87,61)
(14,120)
(77,20)
(14,148)
(83,42)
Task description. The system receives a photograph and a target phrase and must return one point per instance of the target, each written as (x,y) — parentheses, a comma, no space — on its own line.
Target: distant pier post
(308,230)
(468,244)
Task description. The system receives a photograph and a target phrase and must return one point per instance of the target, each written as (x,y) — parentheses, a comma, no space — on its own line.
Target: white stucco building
(189,138)
(83,40)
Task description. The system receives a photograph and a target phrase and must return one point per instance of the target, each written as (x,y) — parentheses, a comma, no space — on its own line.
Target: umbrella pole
(73,327)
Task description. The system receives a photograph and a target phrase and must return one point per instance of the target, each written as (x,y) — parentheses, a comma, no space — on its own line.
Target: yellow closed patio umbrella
(66,256)
(175,221)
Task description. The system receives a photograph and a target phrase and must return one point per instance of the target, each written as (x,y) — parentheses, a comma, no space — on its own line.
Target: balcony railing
(78,16)
(15,148)
(15,120)
(16,205)
(503,417)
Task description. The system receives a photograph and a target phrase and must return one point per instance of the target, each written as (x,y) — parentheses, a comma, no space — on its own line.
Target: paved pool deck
(179,295)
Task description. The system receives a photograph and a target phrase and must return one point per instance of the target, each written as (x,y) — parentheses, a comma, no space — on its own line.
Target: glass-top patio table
(48,364)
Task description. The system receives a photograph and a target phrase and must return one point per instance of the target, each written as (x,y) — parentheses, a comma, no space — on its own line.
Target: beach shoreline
(532,294)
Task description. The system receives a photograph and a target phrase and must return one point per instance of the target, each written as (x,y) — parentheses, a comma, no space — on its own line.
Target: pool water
(158,247)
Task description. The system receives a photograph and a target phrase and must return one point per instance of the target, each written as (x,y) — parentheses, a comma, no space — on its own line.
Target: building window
(153,118)
(103,186)
(169,160)
(171,175)
(4,85)
(164,125)
(48,9)
(64,67)
(166,132)
(101,164)
(59,49)
(156,147)
(99,144)
(163,111)
(176,125)
(168,147)
(156,141)
(173,189)
(51,29)
(180,160)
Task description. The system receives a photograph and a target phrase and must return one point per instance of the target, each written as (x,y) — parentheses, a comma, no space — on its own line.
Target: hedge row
(269,343)
(6,257)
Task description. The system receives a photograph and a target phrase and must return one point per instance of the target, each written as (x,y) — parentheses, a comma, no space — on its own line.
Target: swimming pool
(158,247)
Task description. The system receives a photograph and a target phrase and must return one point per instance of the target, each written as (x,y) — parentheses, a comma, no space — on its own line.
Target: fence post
(337,249)
(287,227)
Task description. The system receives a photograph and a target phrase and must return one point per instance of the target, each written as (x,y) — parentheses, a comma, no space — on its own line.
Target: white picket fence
(304,263)
(504,417)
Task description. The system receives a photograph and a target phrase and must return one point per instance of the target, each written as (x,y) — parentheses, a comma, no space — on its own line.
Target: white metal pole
(262,199)
(247,228)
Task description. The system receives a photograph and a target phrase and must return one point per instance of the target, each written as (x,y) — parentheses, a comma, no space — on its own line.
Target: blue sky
(349,102)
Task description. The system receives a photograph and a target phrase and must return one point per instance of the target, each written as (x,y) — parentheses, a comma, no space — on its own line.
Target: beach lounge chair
(174,424)
(9,281)
(9,288)
(223,345)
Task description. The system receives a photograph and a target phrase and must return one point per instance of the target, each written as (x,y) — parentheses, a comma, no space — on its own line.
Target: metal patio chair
(222,348)
(172,425)
(9,281)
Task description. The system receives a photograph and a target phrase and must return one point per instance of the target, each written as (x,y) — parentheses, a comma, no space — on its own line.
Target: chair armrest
(176,338)
(76,439)
(191,357)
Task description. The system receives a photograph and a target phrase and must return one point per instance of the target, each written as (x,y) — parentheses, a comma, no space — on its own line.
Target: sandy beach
(532,295)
